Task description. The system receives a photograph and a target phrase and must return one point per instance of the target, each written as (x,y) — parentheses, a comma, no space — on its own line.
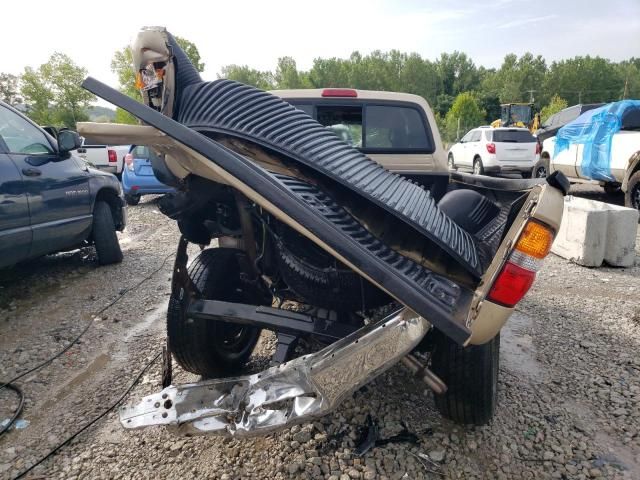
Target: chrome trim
(304,388)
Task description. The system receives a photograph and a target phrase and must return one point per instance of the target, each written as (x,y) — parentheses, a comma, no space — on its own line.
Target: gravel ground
(568,396)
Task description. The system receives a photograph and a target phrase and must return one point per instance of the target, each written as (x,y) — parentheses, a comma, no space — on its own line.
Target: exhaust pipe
(293,392)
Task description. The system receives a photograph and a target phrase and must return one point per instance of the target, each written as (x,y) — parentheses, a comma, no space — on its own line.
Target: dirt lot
(569,389)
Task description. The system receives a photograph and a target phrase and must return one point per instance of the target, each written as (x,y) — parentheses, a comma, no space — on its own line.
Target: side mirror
(68,140)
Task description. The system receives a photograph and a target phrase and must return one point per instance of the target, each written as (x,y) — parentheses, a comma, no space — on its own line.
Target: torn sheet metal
(296,391)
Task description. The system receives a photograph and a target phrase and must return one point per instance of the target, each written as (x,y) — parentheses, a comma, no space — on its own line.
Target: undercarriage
(354,268)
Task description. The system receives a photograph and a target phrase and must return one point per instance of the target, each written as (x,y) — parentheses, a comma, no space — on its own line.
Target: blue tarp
(595,129)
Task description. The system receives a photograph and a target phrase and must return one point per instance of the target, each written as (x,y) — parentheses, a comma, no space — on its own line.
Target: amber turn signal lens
(535,240)
(139,83)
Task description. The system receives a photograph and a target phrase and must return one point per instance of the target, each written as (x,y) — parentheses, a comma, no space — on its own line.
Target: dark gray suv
(50,200)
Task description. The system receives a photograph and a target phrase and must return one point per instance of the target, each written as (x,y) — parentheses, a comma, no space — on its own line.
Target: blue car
(138,178)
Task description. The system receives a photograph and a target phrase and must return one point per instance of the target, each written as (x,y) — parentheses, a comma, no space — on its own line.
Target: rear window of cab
(373,127)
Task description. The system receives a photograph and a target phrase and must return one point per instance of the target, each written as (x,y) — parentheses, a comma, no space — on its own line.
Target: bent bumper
(294,392)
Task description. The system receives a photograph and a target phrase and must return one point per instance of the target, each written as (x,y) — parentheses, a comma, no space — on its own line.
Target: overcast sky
(256,33)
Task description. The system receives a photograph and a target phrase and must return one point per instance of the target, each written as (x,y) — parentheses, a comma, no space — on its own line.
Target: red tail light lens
(491,147)
(538,148)
(339,92)
(511,285)
(113,156)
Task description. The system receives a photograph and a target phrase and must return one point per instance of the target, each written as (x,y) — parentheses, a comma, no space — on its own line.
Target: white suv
(488,150)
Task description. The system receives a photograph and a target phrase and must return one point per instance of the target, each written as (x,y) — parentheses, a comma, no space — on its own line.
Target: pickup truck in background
(50,200)
(107,158)
(601,146)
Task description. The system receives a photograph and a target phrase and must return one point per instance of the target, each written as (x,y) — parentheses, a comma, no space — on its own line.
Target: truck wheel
(132,199)
(471,376)
(206,347)
(478,168)
(611,188)
(451,163)
(632,195)
(104,235)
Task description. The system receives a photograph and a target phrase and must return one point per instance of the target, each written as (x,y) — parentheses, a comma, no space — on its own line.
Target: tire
(632,195)
(104,235)
(213,348)
(451,163)
(132,199)
(478,168)
(611,188)
(541,170)
(471,376)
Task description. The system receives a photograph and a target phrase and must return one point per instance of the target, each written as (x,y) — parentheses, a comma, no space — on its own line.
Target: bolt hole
(165,414)
(168,404)
(156,405)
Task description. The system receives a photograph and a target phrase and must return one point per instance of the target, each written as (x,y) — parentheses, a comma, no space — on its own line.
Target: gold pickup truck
(360,266)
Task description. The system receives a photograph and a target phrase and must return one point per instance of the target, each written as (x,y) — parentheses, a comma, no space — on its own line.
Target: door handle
(31,172)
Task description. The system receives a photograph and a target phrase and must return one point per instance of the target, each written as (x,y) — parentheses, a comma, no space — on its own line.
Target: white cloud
(525,21)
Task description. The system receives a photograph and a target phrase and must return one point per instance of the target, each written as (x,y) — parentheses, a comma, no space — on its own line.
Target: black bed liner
(238,110)
(442,302)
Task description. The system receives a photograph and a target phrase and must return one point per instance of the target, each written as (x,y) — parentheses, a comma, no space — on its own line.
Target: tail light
(113,156)
(519,271)
(538,148)
(339,92)
(491,147)
(128,160)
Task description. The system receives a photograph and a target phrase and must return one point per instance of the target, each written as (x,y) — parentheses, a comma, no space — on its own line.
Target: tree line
(459,91)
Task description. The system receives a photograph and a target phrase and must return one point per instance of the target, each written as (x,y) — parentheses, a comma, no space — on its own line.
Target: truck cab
(397,130)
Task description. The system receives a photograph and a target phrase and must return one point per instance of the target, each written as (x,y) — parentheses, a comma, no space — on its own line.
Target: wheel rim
(476,167)
(541,172)
(450,163)
(232,338)
(635,197)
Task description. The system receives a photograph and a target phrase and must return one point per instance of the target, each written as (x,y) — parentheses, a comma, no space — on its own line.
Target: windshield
(516,113)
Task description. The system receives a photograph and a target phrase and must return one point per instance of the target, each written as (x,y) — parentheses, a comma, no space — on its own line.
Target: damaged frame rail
(296,391)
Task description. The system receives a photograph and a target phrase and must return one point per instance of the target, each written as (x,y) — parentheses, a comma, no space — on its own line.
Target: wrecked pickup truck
(380,270)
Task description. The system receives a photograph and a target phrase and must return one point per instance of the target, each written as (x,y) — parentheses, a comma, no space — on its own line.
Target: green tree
(122,65)
(629,71)
(288,76)
(192,52)
(490,103)
(53,93)
(517,79)
(556,104)
(585,80)
(457,73)
(38,96)
(10,89)
(248,76)
(465,113)
(332,72)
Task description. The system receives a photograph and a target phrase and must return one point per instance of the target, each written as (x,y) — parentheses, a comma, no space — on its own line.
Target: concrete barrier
(592,232)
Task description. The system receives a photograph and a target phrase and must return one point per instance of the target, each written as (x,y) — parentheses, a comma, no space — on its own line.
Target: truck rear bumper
(296,391)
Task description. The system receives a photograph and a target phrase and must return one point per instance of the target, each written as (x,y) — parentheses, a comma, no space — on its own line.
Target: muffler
(293,392)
